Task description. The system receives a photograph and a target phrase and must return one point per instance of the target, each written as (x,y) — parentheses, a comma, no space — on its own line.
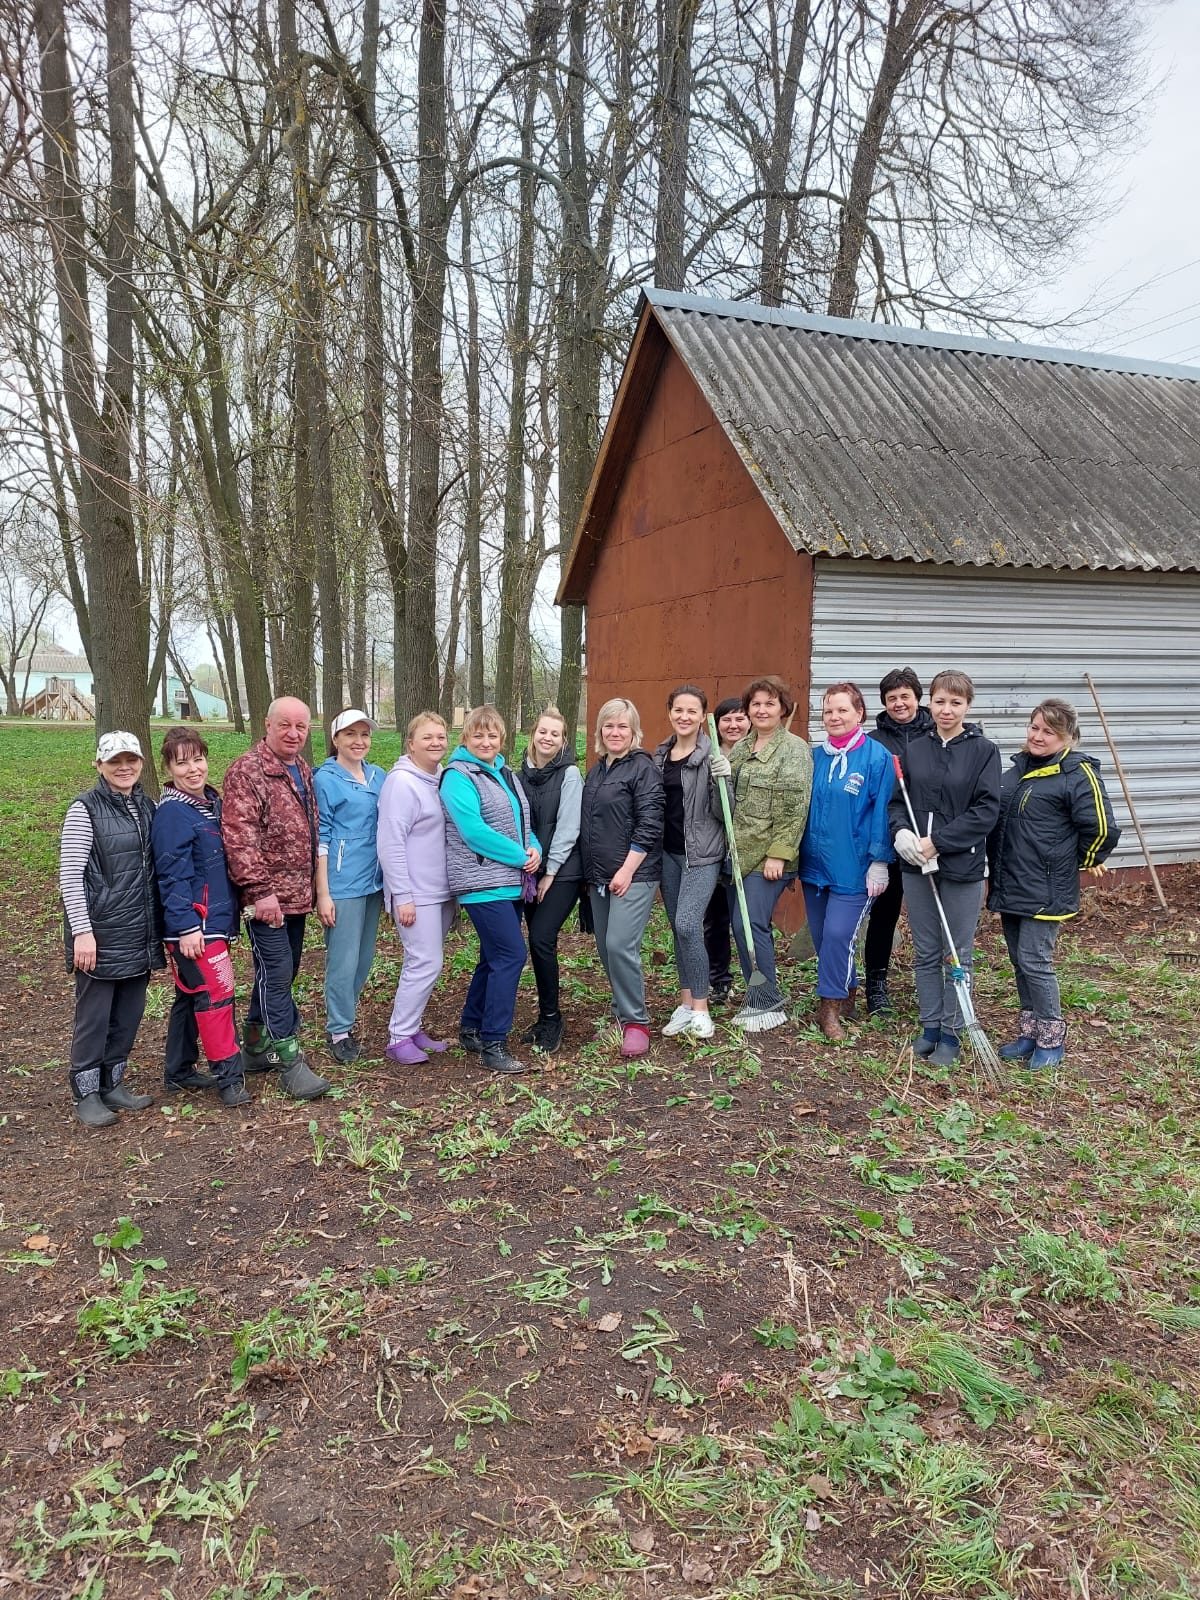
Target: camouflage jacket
(771,795)
(270,834)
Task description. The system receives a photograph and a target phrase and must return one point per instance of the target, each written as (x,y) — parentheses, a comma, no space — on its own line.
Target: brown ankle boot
(849,1002)
(829,1018)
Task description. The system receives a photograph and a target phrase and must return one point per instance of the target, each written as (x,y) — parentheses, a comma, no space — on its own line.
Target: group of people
(913,812)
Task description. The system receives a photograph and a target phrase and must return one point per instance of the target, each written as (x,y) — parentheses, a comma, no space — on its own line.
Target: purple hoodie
(412,837)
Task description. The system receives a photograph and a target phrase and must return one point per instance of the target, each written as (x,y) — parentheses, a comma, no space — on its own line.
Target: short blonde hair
(480,717)
(422,716)
(618,708)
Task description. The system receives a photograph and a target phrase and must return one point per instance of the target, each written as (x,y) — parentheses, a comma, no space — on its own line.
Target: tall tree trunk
(99,404)
(852,228)
(773,269)
(417,663)
(676,28)
(473,515)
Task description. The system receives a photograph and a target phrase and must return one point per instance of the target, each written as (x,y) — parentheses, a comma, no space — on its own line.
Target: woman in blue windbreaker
(349,882)
(846,847)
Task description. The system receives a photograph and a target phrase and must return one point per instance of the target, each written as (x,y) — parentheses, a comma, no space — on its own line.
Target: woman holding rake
(952,777)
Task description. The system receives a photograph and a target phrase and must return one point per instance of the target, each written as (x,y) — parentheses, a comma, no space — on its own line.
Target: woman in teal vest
(492,855)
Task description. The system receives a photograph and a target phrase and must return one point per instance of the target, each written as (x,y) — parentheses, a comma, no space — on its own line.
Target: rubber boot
(879,1002)
(1023,1046)
(115,1094)
(1051,1043)
(945,1052)
(93,1112)
(495,1057)
(829,1017)
(296,1077)
(231,1082)
(256,1048)
(926,1042)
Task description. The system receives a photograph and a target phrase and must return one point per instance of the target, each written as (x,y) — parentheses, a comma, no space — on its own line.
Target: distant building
(60,688)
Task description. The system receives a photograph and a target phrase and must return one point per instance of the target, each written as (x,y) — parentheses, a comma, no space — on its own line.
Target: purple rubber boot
(406,1052)
(423,1042)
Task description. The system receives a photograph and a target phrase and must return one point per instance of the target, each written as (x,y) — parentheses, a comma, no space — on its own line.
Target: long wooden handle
(1137,827)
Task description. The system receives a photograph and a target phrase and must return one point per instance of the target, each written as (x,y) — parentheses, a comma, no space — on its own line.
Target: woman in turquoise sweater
(348,882)
(492,856)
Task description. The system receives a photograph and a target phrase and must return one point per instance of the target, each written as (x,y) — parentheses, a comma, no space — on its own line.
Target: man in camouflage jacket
(269,827)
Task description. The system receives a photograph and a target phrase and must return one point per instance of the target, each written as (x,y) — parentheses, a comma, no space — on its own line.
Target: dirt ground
(439,1334)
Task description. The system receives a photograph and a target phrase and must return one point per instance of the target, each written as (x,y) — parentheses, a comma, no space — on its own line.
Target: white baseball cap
(118,743)
(347,719)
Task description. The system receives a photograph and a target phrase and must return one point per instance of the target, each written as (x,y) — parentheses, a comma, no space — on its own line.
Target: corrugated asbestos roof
(869,440)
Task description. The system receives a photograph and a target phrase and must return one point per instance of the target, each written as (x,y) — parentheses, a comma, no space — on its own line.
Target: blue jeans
(349,952)
(762,896)
(833,921)
(492,996)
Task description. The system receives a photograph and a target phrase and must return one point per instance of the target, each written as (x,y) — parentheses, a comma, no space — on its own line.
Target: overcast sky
(1142,266)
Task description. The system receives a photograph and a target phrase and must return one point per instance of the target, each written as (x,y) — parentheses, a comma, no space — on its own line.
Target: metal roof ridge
(893,333)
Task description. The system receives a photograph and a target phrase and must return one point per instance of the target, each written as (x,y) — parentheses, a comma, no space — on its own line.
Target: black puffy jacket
(622,806)
(897,736)
(1055,819)
(122,895)
(959,783)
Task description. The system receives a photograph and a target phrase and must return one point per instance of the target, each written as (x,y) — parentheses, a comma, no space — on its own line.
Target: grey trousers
(686,892)
(620,923)
(1031,951)
(937,999)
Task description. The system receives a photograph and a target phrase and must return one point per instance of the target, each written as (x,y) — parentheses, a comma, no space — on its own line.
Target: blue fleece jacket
(462,802)
(348,824)
(847,825)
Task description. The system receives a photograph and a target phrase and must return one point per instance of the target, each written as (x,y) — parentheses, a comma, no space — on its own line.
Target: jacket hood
(921,722)
(463,754)
(333,768)
(970,730)
(699,755)
(407,764)
(1069,760)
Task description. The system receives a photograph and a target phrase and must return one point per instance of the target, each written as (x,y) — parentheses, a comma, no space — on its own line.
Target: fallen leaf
(803,1109)
(642,1540)
(112,1441)
(696,1571)
(609,1322)
(812,1520)
(37,1241)
(820,1486)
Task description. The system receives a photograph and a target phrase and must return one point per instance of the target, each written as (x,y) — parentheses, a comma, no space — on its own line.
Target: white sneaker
(703,1026)
(681,1021)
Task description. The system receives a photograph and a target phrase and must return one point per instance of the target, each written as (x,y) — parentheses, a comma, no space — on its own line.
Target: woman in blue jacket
(349,882)
(492,856)
(846,847)
(200,922)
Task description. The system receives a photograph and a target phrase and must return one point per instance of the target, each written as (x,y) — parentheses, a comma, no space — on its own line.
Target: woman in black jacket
(953,778)
(112,927)
(1055,821)
(693,850)
(620,839)
(902,720)
(554,790)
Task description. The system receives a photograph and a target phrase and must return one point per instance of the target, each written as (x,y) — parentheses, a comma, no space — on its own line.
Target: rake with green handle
(982,1048)
(761,1004)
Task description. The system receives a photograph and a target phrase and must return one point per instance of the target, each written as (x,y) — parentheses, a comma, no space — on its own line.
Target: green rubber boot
(296,1077)
(256,1048)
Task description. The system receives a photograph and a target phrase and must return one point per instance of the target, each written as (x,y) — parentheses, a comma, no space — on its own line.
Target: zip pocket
(341,853)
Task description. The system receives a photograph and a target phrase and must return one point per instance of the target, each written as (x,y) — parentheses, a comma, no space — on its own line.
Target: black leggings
(545,919)
(881,924)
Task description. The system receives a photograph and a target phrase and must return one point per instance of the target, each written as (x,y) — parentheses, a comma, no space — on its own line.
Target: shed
(827,499)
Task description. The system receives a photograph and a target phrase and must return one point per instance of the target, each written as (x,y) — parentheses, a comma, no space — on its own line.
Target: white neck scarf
(838,764)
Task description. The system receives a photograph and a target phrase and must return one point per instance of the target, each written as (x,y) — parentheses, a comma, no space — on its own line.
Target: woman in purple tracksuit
(411,842)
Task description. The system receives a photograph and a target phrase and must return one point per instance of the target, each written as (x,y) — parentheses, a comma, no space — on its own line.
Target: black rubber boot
(193,1079)
(94,1113)
(879,1002)
(496,1058)
(119,1098)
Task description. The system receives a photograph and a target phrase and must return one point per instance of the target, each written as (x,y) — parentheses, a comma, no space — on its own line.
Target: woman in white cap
(349,882)
(112,927)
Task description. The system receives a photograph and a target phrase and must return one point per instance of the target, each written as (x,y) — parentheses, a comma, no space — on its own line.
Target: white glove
(719,766)
(877,878)
(908,846)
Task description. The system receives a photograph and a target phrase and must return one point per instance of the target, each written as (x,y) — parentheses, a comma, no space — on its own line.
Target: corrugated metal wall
(1022,637)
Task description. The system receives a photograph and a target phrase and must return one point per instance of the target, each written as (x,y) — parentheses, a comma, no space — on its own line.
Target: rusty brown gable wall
(693,580)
